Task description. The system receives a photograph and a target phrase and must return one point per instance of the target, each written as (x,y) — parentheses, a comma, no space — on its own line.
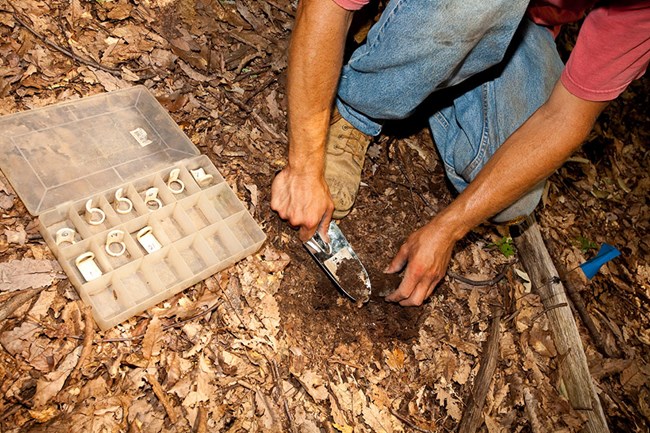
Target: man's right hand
(303,199)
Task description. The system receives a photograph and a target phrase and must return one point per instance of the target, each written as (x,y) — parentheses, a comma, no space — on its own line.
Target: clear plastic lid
(72,150)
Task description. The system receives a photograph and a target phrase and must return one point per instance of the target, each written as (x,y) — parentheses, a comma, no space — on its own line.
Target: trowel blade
(340,263)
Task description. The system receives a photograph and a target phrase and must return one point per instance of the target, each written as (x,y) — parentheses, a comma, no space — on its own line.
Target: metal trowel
(340,263)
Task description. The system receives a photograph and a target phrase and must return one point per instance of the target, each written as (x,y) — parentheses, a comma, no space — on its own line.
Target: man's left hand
(426,255)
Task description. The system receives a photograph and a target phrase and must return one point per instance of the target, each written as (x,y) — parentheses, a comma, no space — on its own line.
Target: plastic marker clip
(174,184)
(202,178)
(87,266)
(115,246)
(151,199)
(94,215)
(148,240)
(65,235)
(122,204)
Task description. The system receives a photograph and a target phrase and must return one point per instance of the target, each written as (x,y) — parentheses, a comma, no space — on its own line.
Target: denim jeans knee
(418,47)
(471,128)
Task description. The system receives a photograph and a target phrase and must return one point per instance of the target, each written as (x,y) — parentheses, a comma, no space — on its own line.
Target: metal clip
(94,215)
(87,266)
(148,240)
(202,178)
(65,235)
(122,204)
(115,237)
(151,199)
(174,184)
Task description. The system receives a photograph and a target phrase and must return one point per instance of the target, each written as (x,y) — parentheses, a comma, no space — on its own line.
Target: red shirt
(613,46)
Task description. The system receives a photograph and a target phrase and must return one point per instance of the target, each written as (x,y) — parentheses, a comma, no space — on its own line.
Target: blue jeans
(477,66)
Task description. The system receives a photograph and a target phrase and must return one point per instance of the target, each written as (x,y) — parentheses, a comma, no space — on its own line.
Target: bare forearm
(528,156)
(315,60)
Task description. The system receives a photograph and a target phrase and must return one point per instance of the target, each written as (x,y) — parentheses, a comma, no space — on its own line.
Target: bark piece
(574,369)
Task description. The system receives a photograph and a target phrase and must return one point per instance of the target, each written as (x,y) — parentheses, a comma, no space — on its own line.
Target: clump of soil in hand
(384,284)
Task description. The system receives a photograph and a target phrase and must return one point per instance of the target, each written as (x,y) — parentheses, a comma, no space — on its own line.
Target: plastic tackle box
(130,209)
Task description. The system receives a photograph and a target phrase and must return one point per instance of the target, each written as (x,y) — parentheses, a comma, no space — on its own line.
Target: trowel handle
(316,244)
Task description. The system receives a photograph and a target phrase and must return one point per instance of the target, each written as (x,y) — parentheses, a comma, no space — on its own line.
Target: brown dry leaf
(492,424)
(336,412)
(6,201)
(19,339)
(152,340)
(635,376)
(395,358)
(42,305)
(18,236)
(109,81)
(120,11)
(272,105)
(193,74)
(450,402)
(52,383)
(265,412)
(313,384)
(28,273)
(274,261)
(455,340)
(44,415)
(343,428)
(380,420)
(203,389)
(461,374)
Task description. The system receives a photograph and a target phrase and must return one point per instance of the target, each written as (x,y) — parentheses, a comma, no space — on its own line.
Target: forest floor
(269,344)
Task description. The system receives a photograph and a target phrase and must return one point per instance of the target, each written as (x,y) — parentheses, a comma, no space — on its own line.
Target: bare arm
(299,193)
(528,156)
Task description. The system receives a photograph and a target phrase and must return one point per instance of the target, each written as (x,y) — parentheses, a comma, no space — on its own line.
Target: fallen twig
(52,45)
(260,88)
(408,422)
(531,411)
(162,397)
(280,7)
(547,309)
(490,282)
(16,301)
(579,384)
(473,415)
(89,333)
(280,394)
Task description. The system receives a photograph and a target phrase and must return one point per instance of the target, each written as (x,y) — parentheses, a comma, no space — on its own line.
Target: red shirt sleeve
(612,50)
(352,5)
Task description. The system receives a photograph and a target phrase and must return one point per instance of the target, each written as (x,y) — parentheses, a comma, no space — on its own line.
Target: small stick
(8,308)
(89,333)
(280,393)
(407,421)
(473,415)
(280,7)
(490,282)
(547,309)
(162,397)
(62,50)
(531,411)
(259,89)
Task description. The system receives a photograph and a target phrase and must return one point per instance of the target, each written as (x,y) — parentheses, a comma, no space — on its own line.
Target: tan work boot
(345,153)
